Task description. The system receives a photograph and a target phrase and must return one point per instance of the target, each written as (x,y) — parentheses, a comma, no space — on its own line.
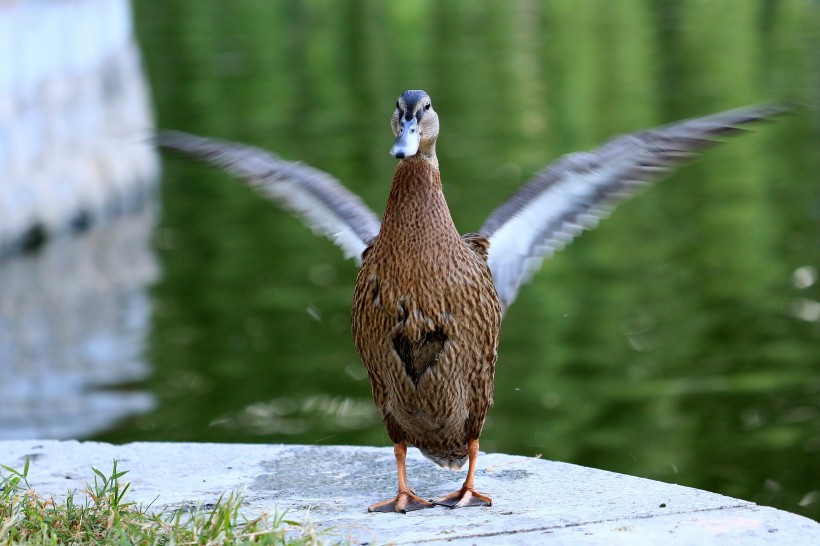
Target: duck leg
(467,495)
(406,500)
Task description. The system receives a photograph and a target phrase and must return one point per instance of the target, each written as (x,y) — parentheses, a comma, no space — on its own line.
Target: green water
(680,341)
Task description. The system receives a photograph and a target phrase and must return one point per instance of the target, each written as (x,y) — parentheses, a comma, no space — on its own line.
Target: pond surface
(680,341)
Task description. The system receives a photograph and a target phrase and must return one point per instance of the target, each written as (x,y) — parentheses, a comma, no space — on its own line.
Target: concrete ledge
(535,501)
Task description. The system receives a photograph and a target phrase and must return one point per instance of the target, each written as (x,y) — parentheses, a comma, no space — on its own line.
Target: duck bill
(407,143)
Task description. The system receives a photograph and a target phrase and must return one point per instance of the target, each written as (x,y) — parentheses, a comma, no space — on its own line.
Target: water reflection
(74,317)
(298,415)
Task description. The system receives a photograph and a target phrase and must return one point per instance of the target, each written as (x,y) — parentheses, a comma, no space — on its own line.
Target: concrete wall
(74,117)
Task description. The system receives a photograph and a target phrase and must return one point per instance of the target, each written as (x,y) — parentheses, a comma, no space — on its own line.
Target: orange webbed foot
(404,502)
(463,498)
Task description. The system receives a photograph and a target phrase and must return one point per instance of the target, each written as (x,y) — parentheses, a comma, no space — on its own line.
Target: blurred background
(680,341)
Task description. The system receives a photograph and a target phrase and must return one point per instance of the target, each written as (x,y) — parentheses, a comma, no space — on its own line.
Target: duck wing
(579,189)
(314,196)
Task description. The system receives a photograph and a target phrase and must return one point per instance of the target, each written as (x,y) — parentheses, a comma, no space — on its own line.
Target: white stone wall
(75,115)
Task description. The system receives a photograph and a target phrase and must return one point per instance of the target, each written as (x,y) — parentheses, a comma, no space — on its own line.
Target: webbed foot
(463,498)
(404,502)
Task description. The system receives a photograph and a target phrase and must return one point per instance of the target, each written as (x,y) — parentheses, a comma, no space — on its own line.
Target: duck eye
(427,106)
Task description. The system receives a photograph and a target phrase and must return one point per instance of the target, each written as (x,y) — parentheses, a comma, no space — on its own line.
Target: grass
(104,516)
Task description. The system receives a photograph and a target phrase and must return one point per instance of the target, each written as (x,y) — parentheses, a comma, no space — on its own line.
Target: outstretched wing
(314,196)
(579,189)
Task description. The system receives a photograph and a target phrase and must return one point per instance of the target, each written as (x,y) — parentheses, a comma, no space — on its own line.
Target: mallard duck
(428,302)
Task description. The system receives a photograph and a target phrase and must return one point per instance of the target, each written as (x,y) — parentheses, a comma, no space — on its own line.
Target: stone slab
(534,501)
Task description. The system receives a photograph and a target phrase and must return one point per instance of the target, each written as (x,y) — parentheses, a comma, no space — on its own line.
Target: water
(679,341)
(74,318)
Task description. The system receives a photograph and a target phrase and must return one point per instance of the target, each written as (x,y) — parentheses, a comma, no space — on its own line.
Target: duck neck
(427,152)
(416,204)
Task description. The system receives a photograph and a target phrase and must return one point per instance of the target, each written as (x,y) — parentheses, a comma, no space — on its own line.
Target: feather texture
(314,196)
(580,189)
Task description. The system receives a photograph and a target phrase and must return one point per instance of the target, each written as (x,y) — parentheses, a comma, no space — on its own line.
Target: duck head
(415,126)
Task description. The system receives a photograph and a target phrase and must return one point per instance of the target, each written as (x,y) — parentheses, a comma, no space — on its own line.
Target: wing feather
(314,196)
(580,189)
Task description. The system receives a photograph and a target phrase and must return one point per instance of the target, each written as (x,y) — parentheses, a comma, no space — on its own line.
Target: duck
(428,302)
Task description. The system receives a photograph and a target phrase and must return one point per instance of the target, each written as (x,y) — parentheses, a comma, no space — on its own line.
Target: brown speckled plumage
(425,291)
(428,303)
(426,316)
